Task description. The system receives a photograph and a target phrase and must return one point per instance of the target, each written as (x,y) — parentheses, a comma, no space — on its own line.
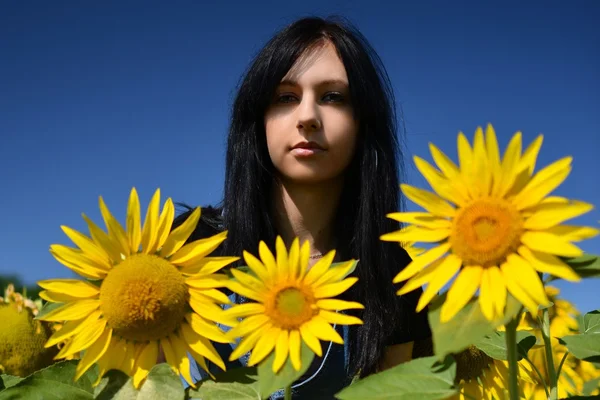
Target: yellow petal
(421,262)
(498,289)
(78,262)
(338,305)
(572,233)
(208,330)
(242,290)
(244,310)
(257,267)
(481,176)
(294,348)
(72,287)
(267,257)
(548,215)
(335,274)
(447,269)
(530,155)
(114,228)
(548,243)
(293,260)
(84,339)
(493,157)
(112,357)
(543,183)
(448,168)
(321,329)
(334,289)
(246,344)
(281,350)
(93,353)
(71,328)
(208,309)
(192,252)
(319,268)
(249,281)
(282,255)
(134,224)
(465,154)
(513,286)
(149,231)
(144,363)
(180,349)
(423,219)
(417,234)
(169,353)
(264,346)
(201,346)
(248,325)
(54,297)
(311,341)
(165,222)
(438,267)
(486,299)
(102,240)
(71,311)
(215,295)
(462,290)
(429,201)
(440,184)
(207,265)
(526,277)
(302,266)
(207,282)
(339,319)
(548,264)
(128,363)
(510,162)
(88,247)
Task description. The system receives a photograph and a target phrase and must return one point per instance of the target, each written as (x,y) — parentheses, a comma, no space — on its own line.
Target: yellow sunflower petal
(482,175)
(338,305)
(498,289)
(208,330)
(335,274)
(207,265)
(465,153)
(128,364)
(264,346)
(543,183)
(248,281)
(151,223)
(282,255)
(293,260)
(548,215)
(311,341)
(510,163)
(421,262)
(319,268)
(112,357)
(486,299)
(183,362)
(144,363)
(447,268)
(462,290)
(165,222)
(245,310)
(429,201)
(250,324)
(54,297)
(522,281)
(72,287)
(201,346)
(294,349)
(180,235)
(530,155)
(78,262)
(70,311)
(134,224)
(493,157)
(257,267)
(170,357)
(334,289)
(303,259)
(88,247)
(194,251)
(71,328)
(206,307)
(281,350)
(246,344)
(423,219)
(267,257)
(549,264)
(84,339)
(245,291)
(338,318)
(439,183)
(427,274)
(546,242)
(572,233)
(93,353)
(114,228)
(207,282)
(320,328)
(417,234)
(102,240)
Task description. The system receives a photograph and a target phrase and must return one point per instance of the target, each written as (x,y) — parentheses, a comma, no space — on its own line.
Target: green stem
(287,395)
(513,367)
(549,356)
(561,365)
(539,374)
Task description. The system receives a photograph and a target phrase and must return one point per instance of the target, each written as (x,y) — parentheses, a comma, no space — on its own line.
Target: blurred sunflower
(147,291)
(479,376)
(22,338)
(492,225)
(292,303)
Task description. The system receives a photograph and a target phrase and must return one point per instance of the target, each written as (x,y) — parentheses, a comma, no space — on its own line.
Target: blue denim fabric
(329,374)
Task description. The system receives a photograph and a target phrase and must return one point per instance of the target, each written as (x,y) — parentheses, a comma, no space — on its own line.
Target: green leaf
(421,378)
(54,382)
(270,382)
(211,390)
(590,386)
(467,327)
(48,307)
(586,347)
(7,381)
(115,385)
(586,266)
(494,344)
(591,322)
(161,383)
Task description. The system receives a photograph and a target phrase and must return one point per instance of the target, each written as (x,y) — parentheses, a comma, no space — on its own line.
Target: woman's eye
(333,98)
(286,98)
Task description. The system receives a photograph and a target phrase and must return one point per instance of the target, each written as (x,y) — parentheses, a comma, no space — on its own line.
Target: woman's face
(310,127)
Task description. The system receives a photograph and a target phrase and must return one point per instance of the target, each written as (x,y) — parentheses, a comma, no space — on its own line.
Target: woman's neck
(307,211)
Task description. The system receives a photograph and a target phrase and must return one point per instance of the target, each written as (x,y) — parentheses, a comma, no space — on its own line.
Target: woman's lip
(305,151)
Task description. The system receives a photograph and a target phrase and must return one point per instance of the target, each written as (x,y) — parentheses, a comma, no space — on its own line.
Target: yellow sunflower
(292,303)
(479,376)
(492,225)
(147,292)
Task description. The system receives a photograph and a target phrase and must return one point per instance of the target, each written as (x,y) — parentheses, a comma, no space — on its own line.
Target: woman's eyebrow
(290,82)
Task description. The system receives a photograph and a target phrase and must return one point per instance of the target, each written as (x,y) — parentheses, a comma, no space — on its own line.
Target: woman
(312,152)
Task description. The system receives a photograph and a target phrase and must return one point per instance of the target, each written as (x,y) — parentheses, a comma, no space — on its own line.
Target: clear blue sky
(97,97)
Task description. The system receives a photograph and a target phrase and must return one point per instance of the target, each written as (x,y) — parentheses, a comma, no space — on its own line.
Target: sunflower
(491,224)
(22,338)
(479,376)
(147,291)
(292,303)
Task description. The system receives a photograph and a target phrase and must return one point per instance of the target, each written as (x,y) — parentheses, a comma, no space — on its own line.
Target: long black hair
(366,199)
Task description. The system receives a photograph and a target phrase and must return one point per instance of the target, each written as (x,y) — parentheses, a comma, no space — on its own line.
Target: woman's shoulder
(210,223)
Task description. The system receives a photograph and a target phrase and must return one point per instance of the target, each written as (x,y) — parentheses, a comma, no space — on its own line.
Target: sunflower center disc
(471,363)
(144,298)
(290,307)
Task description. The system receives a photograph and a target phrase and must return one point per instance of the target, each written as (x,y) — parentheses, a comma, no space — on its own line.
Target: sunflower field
(149,311)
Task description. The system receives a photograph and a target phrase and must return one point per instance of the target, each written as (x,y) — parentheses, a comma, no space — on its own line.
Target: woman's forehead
(317,63)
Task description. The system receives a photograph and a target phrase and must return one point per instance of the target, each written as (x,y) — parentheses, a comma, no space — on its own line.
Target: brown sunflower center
(486,231)
(291,306)
(471,363)
(144,298)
